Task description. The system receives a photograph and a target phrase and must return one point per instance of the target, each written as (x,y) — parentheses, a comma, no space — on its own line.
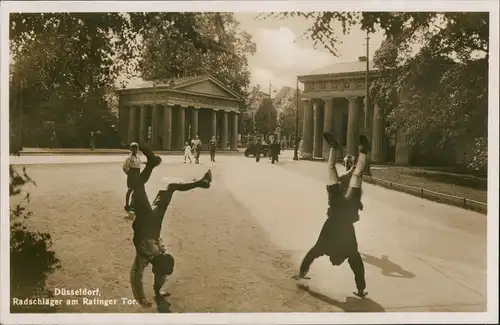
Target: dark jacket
(212,145)
(275,148)
(338,237)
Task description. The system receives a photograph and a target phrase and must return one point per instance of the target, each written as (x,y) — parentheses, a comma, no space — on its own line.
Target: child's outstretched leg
(362,167)
(139,196)
(163,198)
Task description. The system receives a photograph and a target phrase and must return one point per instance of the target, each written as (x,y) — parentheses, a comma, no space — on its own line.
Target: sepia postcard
(250,162)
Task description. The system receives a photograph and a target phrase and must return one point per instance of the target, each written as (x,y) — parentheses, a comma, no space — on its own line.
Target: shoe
(206,179)
(156,160)
(162,294)
(330,140)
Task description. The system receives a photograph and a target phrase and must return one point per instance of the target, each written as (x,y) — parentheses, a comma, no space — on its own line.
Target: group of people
(337,238)
(273,150)
(194,149)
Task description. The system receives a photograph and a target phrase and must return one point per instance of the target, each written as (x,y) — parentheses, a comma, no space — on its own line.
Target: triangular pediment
(207,86)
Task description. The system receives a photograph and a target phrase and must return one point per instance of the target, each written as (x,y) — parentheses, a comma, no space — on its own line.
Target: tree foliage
(65,65)
(266,117)
(447,78)
(168,52)
(32,259)
(287,117)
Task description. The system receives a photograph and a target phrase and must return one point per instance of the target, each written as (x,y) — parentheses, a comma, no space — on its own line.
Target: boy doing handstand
(337,238)
(147,228)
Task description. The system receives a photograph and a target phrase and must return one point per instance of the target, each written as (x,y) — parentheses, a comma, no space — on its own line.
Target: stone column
(131,124)
(352,126)
(307,150)
(318,130)
(368,123)
(155,128)
(402,154)
(338,129)
(328,125)
(234,132)
(224,131)
(182,128)
(378,136)
(213,124)
(167,127)
(194,123)
(143,128)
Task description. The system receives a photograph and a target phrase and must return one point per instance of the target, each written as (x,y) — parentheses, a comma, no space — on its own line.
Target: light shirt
(196,144)
(132,161)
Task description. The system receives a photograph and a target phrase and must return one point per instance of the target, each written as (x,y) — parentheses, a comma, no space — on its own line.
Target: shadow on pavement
(351,305)
(387,267)
(163,306)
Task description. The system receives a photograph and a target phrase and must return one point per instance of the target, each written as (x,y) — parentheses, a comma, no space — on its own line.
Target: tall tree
(169,52)
(286,117)
(448,75)
(266,117)
(66,63)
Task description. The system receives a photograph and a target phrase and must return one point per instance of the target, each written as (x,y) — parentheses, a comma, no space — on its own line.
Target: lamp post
(296,149)
(367,72)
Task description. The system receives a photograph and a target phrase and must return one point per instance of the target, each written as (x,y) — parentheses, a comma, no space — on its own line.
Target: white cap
(134,144)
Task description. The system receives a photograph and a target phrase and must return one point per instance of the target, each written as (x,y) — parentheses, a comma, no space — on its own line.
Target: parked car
(250,151)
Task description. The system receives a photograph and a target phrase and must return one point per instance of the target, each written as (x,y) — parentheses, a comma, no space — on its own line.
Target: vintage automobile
(250,151)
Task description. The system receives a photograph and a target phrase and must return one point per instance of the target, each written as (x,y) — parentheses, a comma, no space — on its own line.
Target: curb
(461,202)
(114,152)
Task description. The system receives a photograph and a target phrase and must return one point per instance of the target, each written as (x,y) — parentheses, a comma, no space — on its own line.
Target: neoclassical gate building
(334,102)
(167,115)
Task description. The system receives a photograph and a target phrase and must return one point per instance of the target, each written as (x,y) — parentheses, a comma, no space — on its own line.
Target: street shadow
(350,305)
(162,305)
(387,267)
(461,180)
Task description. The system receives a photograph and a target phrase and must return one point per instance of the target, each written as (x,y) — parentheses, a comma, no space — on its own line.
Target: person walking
(258,149)
(92,141)
(212,146)
(274,149)
(196,149)
(187,152)
(301,148)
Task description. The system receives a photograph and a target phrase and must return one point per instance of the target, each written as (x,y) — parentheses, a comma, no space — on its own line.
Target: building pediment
(197,85)
(207,86)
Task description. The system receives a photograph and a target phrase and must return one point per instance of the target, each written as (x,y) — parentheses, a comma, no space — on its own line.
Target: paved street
(237,244)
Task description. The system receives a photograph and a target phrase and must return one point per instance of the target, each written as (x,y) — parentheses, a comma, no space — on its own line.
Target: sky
(283,54)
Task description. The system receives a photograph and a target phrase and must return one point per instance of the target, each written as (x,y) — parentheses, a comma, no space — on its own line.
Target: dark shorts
(337,239)
(132,175)
(149,248)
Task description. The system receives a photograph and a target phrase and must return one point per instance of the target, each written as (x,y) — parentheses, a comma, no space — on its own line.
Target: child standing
(187,152)
(132,168)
